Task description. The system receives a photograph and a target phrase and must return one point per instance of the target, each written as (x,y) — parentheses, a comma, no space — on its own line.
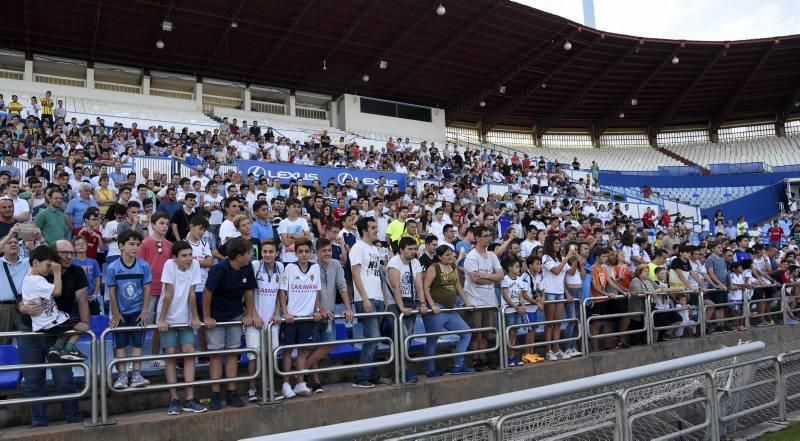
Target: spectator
(77,206)
(405,276)
(51,221)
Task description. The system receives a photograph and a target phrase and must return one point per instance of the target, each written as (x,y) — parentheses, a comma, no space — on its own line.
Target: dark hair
(199,220)
(292,201)
(270,242)
(127,235)
(302,242)
(550,248)
(441,250)
(508,262)
(447,228)
(158,215)
(532,257)
(406,242)
(362,225)
(134,204)
(236,247)
(258,204)
(179,246)
(322,243)
(42,253)
(91,211)
(599,251)
(429,239)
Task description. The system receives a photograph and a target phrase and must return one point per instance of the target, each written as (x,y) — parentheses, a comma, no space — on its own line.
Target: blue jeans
(569,313)
(372,329)
(33,350)
(445,321)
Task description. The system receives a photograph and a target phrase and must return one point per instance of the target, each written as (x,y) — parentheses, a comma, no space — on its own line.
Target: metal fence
(579,319)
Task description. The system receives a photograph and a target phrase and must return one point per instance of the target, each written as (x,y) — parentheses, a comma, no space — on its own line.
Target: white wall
(355,121)
(28,88)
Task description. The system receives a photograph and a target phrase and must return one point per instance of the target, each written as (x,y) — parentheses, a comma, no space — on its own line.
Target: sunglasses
(159,247)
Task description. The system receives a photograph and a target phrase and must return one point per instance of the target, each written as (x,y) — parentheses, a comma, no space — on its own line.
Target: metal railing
(405,341)
(689,307)
(106,372)
(579,320)
(645,315)
(57,80)
(89,369)
(795,294)
(738,384)
(117,87)
(172,93)
(273,367)
(311,112)
(749,302)
(267,107)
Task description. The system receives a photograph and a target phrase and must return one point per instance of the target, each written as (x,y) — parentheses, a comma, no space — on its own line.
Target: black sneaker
(364,384)
(216,402)
(54,355)
(174,408)
(234,400)
(480,366)
(317,388)
(70,356)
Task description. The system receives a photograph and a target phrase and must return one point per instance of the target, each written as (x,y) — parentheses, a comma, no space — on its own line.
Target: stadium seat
(10,379)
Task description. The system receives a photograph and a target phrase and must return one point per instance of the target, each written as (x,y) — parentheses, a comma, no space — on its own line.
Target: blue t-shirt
(744,257)
(463,245)
(130,282)
(91,268)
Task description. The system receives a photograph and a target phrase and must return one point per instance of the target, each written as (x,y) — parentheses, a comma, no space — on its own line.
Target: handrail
(579,319)
(272,352)
(644,314)
(653,326)
(387,423)
(90,382)
(498,346)
(107,372)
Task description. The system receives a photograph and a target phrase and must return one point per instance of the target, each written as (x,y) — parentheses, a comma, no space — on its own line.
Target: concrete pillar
(28,74)
(713,135)
(90,78)
(290,103)
(246,98)
(198,95)
(780,125)
(333,113)
(146,85)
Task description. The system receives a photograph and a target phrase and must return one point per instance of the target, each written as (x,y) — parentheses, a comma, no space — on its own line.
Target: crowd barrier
(99,374)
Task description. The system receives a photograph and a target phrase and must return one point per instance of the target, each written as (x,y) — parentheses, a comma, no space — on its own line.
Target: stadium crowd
(218,246)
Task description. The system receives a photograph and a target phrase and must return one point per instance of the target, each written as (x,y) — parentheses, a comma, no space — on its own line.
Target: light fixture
(567,45)
(324,64)
(502,89)
(675,60)
(621,115)
(482,103)
(440,10)
(797,103)
(166,26)
(234,24)
(160,44)
(634,101)
(365,78)
(383,64)
(544,85)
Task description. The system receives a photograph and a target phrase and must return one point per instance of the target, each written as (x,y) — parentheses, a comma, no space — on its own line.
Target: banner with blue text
(286,172)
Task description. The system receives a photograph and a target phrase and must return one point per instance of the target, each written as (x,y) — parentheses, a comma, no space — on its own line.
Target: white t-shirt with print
(182,292)
(109,231)
(267,291)
(553,283)
(36,290)
(288,226)
(407,288)
(215,217)
(301,288)
(480,295)
(369,259)
(200,251)
(515,288)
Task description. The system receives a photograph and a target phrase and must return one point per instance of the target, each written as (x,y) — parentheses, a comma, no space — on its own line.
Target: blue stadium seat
(8,356)
(98,324)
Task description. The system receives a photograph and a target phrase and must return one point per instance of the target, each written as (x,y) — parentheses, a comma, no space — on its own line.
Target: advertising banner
(286,172)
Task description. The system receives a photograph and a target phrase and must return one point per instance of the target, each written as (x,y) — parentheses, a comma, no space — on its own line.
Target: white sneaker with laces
(560,356)
(122,381)
(302,390)
(576,353)
(137,380)
(287,391)
(551,356)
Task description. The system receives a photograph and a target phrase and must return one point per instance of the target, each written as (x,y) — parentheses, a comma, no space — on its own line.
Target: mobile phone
(605,237)
(573,248)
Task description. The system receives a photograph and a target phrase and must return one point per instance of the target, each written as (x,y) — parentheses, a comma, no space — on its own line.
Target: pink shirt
(148,251)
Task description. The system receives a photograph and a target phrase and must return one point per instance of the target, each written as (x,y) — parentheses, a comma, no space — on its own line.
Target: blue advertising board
(286,172)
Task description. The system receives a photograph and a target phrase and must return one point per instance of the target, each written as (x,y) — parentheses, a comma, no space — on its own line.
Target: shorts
(152,308)
(297,333)
(717,296)
(611,306)
(481,318)
(735,305)
(133,339)
(252,339)
(516,318)
(325,331)
(224,337)
(176,337)
(60,328)
(550,296)
(666,318)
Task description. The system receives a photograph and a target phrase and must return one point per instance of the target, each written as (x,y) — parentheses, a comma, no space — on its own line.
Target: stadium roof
(458,61)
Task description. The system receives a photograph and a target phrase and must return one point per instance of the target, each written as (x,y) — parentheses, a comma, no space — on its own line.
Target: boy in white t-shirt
(52,321)
(740,285)
(515,287)
(292,229)
(300,288)
(110,232)
(534,300)
(268,273)
(178,306)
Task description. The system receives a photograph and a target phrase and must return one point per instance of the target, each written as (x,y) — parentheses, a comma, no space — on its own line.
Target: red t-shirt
(775,234)
(665,219)
(149,252)
(647,218)
(92,242)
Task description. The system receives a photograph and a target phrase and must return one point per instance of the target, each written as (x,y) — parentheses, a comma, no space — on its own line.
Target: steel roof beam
(224,39)
(666,116)
(279,45)
(577,97)
(720,115)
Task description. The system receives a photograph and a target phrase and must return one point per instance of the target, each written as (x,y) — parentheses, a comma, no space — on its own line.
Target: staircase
(683,160)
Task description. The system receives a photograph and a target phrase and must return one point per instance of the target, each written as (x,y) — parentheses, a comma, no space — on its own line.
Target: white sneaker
(137,380)
(551,356)
(252,395)
(575,352)
(302,390)
(287,391)
(560,356)
(122,381)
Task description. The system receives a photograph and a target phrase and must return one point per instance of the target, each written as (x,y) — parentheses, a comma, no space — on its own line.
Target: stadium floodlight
(621,115)
(440,10)
(166,26)
(160,44)
(634,101)
(676,60)
(544,85)
(502,89)
(324,64)
(567,45)
(383,64)
(482,103)
(234,24)
(365,78)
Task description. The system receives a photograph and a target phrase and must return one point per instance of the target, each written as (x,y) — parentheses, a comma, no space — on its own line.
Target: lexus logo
(345,176)
(256,170)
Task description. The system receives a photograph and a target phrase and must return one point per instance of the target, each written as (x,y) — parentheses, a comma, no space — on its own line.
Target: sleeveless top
(443,288)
